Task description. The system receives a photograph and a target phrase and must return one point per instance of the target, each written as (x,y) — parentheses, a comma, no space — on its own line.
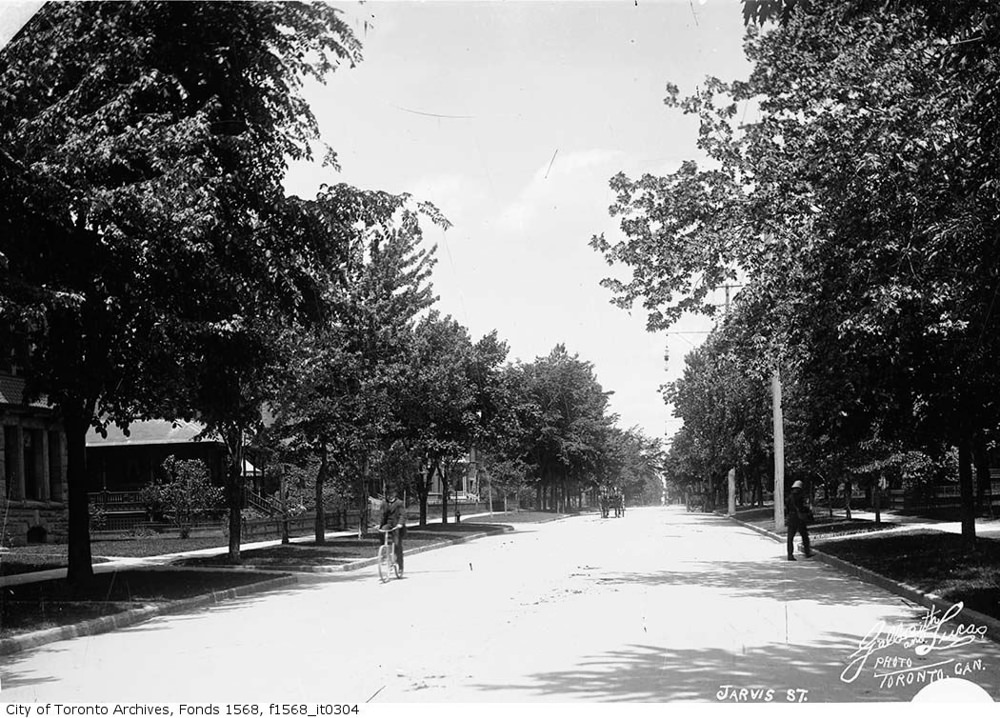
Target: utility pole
(779,453)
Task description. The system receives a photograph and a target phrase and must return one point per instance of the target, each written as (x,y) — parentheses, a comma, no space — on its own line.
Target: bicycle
(387,563)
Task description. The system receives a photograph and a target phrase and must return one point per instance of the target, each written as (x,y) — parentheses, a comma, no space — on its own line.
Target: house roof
(144,433)
(12,392)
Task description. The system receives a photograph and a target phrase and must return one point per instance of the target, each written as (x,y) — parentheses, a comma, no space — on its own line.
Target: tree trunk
(967,493)
(424,489)
(79,561)
(234,491)
(422,502)
(847,498)
(363,494)
(984,499)
(444,501)
(283,489)
(877,500)
(320,509)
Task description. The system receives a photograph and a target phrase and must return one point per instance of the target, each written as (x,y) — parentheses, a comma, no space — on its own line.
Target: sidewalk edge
(911,593)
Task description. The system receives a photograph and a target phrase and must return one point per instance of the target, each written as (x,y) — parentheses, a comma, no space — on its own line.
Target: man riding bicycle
(393,516)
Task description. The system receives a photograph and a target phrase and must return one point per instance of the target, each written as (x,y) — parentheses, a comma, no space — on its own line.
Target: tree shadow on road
(652,674)
(775,579)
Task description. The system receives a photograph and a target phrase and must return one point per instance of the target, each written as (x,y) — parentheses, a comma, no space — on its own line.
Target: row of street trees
(859,209)
(151,265)
(436,395)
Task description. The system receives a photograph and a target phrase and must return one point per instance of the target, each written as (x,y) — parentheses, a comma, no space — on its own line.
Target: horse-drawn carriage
(612,502)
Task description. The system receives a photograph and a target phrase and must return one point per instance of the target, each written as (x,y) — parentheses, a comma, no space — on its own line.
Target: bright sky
(511,117)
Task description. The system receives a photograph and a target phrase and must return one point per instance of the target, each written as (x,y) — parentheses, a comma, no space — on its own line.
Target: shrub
(98,518)
(186,492)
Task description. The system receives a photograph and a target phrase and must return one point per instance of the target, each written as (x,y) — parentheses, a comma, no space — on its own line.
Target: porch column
(18,492)
(57,465)
(43,467)
(3,461)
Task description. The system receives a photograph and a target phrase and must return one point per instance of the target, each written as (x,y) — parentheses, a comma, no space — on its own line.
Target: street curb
(911,593)
(366,562)
(106,624)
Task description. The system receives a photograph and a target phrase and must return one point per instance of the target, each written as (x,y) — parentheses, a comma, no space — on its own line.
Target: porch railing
(117,501)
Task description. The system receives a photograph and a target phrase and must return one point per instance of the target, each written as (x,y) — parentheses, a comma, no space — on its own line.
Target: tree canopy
(146,143)
(858,205)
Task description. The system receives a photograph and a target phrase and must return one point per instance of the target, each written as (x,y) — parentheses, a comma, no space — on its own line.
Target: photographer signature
(923,637)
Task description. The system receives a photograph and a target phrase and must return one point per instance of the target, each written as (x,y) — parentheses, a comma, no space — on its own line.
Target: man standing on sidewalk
(797,518)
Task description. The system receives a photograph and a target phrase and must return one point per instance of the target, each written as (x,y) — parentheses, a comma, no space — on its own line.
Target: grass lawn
(932,561)
(49,604)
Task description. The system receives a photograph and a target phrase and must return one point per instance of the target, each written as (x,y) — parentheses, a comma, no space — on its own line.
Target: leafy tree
(145,144)
(643,468)
(568,425)
(437,403)
(506,412)
(336,397)
(184,494)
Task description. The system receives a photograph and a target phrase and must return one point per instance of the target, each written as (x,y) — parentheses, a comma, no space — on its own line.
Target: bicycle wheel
(384,556)
(395,565)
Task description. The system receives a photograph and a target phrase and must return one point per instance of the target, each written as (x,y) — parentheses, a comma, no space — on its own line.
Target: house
(128,461)
(462,479)
(33,466)
(120,464)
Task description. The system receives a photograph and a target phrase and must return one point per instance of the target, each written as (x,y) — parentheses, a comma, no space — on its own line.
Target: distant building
(462,479)
(33,466)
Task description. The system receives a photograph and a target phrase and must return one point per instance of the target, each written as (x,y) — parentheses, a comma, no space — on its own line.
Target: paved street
(659,606)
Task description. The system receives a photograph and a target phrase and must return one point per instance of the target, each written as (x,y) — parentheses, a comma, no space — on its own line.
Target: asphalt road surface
(658,606)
